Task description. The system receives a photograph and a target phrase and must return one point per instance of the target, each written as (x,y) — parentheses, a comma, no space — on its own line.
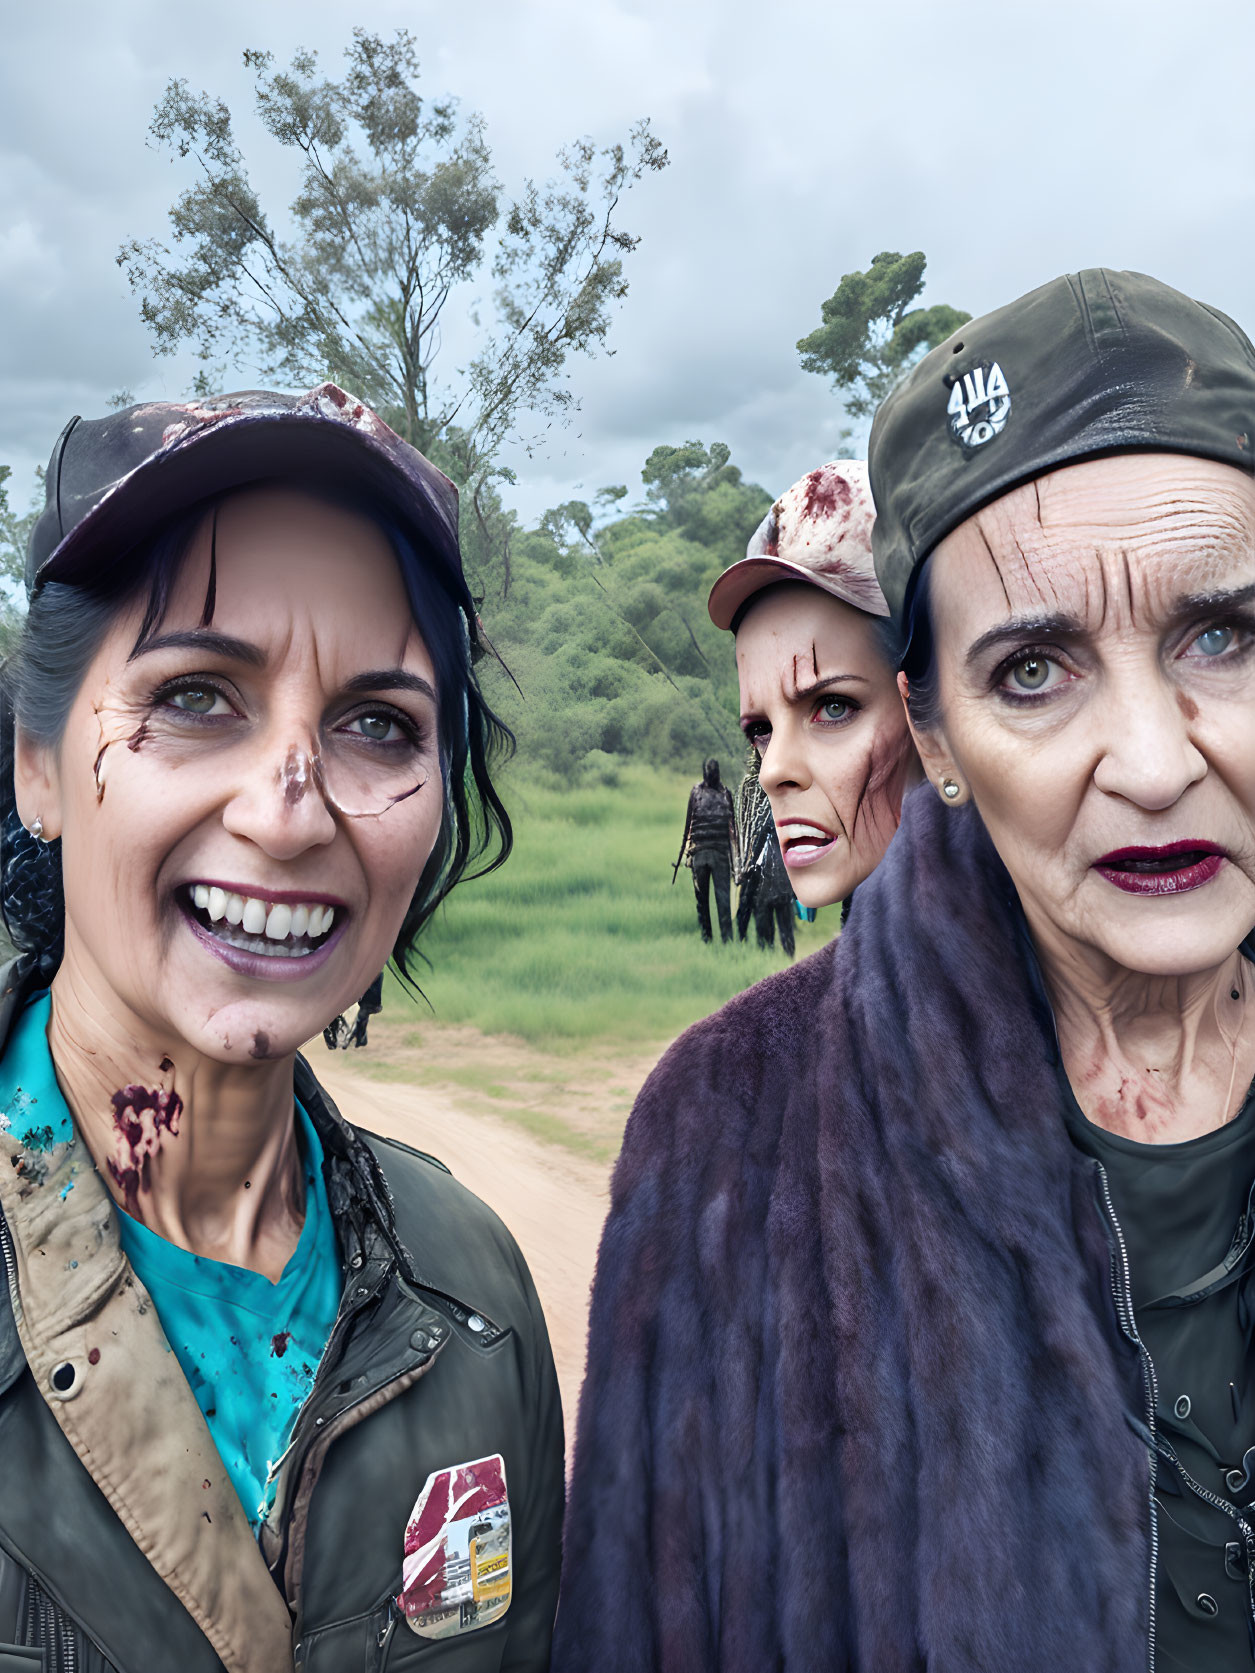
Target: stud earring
(36,828)
(949,789)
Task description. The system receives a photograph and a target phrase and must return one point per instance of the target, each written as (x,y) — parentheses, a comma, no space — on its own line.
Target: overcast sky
(1010,141)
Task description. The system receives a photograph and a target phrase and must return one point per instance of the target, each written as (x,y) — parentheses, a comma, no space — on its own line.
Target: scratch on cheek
(136,739)
(1187,705)
(98,773)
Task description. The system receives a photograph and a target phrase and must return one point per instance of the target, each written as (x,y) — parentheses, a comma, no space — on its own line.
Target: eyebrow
(391,679)
(805,691)
(1061,626)
(241,650)
(204,639)
(811,690)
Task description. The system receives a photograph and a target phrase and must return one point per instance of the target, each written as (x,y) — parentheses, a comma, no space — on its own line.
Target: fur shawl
(857,1395)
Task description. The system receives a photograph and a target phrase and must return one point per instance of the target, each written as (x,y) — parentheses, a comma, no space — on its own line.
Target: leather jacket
(120,1549)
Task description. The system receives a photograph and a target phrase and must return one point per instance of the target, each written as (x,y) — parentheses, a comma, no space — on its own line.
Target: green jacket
(122,1544)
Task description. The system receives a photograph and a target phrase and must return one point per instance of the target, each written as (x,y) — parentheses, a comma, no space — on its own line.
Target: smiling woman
(246,758)
(923,1313)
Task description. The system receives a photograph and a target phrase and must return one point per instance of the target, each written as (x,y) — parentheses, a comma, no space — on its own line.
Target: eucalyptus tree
(400,241)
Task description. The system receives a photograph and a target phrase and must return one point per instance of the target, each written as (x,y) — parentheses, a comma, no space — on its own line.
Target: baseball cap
(1092,363)
(818,531)
(113,481)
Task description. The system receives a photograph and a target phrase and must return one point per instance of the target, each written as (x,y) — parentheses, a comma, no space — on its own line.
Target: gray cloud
(1009,142)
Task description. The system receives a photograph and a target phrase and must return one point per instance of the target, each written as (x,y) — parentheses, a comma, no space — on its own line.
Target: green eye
(195,700)
(1215,641)
(1032,673)
(374,727)
(834,708)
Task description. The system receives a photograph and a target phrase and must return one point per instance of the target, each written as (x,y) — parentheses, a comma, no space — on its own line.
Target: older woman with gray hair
(921,1331)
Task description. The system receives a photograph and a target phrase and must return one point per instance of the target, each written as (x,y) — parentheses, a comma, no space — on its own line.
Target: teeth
(263,921)
(795,831)
(278,923)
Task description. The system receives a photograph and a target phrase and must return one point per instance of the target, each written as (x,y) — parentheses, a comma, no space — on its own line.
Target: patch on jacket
(456,1575)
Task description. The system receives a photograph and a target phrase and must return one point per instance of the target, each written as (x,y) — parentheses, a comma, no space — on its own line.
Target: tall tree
(15,531)
(871,335)
(399,216)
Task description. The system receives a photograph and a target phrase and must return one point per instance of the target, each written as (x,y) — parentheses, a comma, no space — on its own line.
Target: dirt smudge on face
(141,1116)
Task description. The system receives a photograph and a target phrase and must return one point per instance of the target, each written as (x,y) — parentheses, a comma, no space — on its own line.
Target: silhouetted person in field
(766,891)
(707,846)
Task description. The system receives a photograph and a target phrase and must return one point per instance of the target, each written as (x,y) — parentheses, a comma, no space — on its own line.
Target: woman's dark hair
(919,660)
(64,629)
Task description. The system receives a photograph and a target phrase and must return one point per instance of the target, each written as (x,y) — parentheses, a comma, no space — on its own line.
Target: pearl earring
(949,789)
(37,829)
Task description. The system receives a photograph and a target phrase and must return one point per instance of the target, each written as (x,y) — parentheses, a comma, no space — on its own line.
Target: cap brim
(234,453)
(751,575)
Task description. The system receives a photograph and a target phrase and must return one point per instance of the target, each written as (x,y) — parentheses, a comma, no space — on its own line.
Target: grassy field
(580,942)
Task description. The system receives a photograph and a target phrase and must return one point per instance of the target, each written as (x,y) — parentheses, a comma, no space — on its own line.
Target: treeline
(606,651)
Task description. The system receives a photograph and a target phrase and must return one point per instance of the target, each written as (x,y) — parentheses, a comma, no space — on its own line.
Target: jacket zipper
(1123,1289)
(10,1265)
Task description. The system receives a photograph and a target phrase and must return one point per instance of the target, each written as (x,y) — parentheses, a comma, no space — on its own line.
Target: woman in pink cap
(815,652)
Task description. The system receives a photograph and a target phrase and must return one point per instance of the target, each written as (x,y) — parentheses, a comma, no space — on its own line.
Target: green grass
(580,937)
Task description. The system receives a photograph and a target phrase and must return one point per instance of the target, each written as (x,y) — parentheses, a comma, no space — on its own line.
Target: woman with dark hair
(921,1334)
(816,655)
(274,1392)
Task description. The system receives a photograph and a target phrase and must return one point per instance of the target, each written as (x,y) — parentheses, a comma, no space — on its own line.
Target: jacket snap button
(475,1322)
(1236,1480)
(64,1380)
(422,1341)
(355,1261)
(1207,1603)
(1182,1407)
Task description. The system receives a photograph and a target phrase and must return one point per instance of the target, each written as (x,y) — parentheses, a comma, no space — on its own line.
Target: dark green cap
(1092,363)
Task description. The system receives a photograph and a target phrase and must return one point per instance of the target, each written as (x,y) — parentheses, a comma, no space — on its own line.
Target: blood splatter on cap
(112,481)
(818,531)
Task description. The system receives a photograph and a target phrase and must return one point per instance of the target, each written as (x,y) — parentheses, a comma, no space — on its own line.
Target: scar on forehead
(980,529)
(797,683)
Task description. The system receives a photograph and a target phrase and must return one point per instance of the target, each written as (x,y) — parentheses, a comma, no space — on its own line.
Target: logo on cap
(980,404)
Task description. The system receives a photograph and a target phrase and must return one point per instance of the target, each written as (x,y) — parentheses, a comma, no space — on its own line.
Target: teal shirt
(248,1348)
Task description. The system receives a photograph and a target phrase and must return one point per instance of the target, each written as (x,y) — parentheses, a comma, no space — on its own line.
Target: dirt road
(553,1201)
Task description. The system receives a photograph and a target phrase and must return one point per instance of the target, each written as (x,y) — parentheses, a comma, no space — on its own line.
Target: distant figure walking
(708,845)
(766,891)
(753,819)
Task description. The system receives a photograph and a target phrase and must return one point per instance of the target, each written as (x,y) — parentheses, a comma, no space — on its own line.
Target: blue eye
(1215,642)
(835,708)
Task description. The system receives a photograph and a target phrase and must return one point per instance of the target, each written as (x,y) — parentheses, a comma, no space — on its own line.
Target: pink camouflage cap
(819,531)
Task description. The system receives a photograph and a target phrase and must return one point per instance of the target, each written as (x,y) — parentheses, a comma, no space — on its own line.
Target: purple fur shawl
(857,1392)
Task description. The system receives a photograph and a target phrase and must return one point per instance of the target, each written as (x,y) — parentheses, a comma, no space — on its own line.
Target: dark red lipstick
(1173,869)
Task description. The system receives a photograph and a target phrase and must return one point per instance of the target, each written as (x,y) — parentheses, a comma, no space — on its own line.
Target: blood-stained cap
(113,481)
(819,531)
